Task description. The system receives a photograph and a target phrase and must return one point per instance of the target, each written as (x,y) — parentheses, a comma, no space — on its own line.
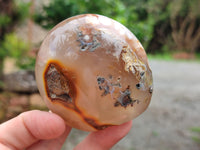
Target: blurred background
(169,30)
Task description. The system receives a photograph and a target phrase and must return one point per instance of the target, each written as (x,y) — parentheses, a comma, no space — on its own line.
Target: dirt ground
(174,110)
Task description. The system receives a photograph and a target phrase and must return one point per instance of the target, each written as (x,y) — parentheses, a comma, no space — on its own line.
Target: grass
(195,129)
(155,133)
(169,57)
(197,137)
(165,56)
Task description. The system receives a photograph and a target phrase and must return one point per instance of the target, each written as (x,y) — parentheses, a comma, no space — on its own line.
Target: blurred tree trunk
(185,23)
(161,32)
(186,33)
(10,17)
(6,9)
(178,30)
(30,24)
(162,28)
(1,74)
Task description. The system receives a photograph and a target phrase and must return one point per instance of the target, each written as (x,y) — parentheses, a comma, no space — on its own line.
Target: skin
(35,130)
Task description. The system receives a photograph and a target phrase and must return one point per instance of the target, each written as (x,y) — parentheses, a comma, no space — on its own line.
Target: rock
(10,65)
(36,101)
(13,111)
(17,104)
(21,100)
(2,114)
(21,81)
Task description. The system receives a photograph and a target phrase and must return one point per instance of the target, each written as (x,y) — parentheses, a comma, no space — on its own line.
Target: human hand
(35,130)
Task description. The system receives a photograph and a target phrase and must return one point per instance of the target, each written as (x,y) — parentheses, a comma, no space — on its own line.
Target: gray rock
(21,81)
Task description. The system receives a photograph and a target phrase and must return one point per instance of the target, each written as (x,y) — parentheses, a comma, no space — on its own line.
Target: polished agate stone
(93,72)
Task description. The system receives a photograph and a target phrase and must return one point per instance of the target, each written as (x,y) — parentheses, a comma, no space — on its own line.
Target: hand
(35,130)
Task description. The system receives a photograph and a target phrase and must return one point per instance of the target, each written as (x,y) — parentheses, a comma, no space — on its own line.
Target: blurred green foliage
(130,16)
(13,12)
(58,10)
(14,47)
(22,9)
(161,26)
(4,20)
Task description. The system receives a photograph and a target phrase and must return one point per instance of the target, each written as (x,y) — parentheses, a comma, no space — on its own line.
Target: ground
(174,110)
(165,125)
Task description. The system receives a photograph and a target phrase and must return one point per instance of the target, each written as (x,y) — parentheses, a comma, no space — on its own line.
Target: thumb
(104,139)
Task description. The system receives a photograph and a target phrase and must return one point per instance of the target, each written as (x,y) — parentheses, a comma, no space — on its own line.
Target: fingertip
(125,126)
(43,125)
(115,132)
(105,139)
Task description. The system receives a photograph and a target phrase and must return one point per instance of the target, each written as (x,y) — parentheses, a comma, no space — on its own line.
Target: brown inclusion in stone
(59,85)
